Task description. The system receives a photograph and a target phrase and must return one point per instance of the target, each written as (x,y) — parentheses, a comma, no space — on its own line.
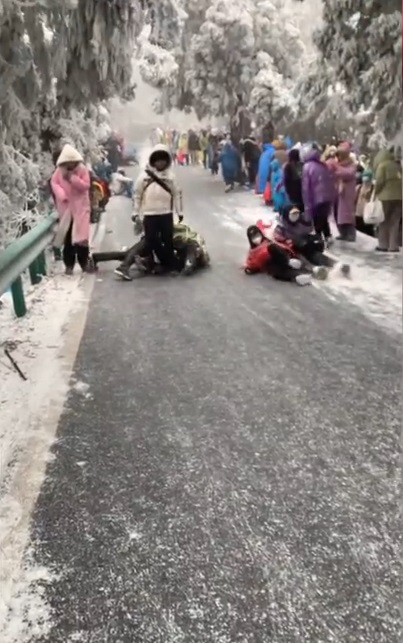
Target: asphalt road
(226,471)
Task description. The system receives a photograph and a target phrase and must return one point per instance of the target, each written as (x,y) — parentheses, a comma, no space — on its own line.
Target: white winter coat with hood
(150,199)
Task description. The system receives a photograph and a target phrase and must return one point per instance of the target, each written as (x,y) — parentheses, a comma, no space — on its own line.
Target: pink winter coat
(72,198)
(345,175)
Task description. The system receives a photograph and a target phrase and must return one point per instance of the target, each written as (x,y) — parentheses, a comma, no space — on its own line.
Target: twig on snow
(15,365)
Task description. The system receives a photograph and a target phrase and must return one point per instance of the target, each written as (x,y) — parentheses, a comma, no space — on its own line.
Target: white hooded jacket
(150,199)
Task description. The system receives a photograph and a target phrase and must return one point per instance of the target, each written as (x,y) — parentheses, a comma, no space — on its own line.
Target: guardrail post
(34,273)
(17,292)
(41,264)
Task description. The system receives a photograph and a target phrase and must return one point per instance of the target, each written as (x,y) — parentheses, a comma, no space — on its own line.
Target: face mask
(257,239)
(294,216)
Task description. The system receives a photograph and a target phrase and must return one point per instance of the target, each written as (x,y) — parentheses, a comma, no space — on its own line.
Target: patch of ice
(29,412)
(376,291)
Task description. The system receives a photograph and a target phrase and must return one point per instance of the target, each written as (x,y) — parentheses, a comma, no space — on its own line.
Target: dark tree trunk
(268,132)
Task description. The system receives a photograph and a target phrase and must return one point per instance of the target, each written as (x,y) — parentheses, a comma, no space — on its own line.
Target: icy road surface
(226,465)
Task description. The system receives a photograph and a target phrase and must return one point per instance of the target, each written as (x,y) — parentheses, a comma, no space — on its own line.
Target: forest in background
(310,67)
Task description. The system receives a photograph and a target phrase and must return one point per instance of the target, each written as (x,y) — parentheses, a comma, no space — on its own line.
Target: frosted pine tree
(245,57)
(360,41)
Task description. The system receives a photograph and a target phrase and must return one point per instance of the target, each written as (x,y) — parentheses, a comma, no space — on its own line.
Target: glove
(138,224)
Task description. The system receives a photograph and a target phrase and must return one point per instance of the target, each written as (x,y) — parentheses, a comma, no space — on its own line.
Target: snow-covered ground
(29,411)
(43,344)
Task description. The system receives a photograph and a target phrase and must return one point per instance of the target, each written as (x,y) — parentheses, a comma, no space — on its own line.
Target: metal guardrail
(27,252)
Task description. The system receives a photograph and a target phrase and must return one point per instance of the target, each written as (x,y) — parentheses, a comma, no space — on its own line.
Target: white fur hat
(69,155)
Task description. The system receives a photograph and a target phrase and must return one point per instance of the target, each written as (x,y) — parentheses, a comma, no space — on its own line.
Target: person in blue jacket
(279,195)
(264,166)
(229,159)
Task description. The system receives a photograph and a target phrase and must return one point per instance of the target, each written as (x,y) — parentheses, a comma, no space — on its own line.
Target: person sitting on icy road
(156,197)
(292,227)
(274,259)
(190,253)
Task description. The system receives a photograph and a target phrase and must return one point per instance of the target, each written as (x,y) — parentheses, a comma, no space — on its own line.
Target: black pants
(184,252)
(279,267)
(252,172)
(321,214)
(205,159)
(126,257)
(312,251)
(73,252)
(158,235)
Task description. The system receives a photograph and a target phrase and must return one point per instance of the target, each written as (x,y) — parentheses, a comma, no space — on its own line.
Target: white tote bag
(373,211)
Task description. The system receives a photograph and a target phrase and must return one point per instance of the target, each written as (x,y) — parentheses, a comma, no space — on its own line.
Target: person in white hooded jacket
(157,197)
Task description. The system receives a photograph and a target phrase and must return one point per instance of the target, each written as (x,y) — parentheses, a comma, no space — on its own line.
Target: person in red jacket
(273,259)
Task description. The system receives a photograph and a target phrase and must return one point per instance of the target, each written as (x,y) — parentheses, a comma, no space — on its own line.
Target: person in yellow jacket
(203,141)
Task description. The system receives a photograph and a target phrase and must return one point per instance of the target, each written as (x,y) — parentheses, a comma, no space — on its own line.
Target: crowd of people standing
(323,181)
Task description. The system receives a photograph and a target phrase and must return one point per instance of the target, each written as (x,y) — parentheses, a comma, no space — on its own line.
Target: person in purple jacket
(317,193)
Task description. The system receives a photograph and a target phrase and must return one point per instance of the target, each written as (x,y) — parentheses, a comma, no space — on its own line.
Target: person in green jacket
(203,140)
(388,189)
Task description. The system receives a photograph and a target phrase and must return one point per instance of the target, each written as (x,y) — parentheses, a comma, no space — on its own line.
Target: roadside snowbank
(29,412)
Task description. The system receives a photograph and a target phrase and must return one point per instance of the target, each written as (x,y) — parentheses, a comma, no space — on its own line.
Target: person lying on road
(190,253)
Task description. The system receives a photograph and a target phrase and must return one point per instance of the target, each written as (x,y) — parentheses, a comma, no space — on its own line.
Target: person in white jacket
(157,197)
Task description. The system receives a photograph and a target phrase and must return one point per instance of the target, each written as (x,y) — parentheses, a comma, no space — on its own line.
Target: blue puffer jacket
(229,160)
(264,166)
(279,195)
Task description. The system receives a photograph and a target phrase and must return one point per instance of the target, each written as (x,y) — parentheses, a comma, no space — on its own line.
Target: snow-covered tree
(360,41)
(59,59)
(241,56)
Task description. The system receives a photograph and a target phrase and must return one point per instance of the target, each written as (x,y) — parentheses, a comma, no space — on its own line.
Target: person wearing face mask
(156,197)
(70,185)
(275,259)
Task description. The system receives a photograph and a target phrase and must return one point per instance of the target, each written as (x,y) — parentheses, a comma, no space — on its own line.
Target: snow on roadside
(376,290)
(29,413)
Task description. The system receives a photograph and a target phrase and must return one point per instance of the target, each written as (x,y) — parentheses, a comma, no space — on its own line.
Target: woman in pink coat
(345,176)
(70,185)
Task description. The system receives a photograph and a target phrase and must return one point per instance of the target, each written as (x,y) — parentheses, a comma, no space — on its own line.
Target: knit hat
(69,155)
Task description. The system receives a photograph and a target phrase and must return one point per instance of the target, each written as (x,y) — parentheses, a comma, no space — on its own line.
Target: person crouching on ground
(156,197)
(70,185)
